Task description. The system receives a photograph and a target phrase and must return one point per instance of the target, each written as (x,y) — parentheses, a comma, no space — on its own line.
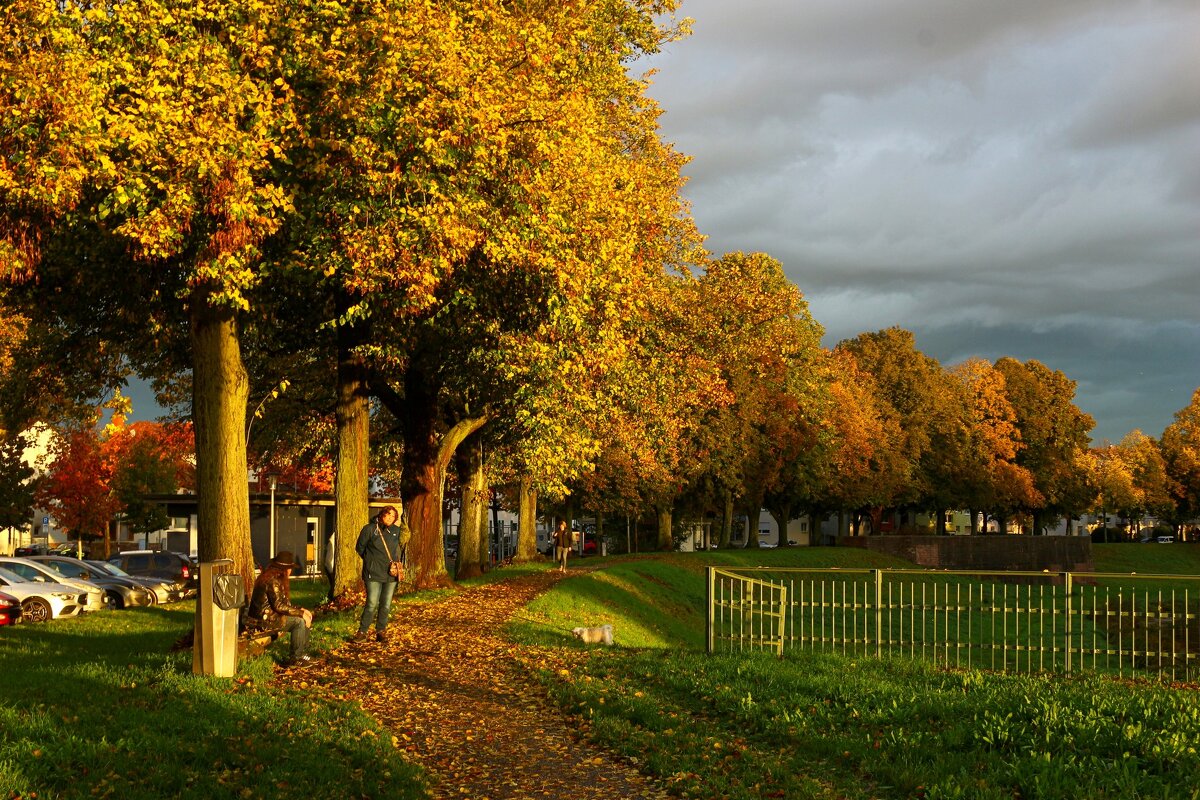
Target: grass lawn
(814,725)
(98,706)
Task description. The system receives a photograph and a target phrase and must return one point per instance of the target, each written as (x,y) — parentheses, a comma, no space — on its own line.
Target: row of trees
(423,239)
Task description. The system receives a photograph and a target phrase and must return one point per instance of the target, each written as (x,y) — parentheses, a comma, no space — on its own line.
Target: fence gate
(744,612)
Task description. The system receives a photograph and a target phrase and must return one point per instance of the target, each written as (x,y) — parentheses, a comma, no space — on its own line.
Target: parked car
(42,549)
(10,609)
(118,592)
(175,567)
(162,590)
(41,600)
(32,570)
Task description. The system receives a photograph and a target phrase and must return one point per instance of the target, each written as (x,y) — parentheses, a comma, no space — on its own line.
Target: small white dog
(597,635)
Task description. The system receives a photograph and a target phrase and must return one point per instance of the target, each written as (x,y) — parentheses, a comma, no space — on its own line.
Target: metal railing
(744,612)
(1013,621)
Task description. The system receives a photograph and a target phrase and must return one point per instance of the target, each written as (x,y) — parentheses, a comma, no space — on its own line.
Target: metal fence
(1014,621)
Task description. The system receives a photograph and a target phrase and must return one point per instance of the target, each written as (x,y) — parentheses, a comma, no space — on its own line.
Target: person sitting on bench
(271,606)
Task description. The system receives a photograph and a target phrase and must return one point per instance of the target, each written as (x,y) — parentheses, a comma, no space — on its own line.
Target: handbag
(395,568)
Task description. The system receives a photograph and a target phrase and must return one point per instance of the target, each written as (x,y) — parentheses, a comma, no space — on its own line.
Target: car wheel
(113,600)
(153,598)
(36,610)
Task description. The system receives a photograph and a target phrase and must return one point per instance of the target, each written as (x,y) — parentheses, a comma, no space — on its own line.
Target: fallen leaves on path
(459,700)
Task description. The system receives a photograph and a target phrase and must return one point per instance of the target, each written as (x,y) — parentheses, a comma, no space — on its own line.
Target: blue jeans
(299,631)
(379,605)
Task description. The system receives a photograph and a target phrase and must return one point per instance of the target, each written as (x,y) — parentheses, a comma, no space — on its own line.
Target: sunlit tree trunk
(473,510)
(220,391)
(527,520)
(351,485)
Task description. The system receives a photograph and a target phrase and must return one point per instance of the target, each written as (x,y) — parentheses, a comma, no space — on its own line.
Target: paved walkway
(458,699)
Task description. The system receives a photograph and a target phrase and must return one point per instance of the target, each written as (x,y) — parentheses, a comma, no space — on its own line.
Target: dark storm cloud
(1022,175)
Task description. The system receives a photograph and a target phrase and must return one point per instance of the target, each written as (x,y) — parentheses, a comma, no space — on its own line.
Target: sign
(45,520)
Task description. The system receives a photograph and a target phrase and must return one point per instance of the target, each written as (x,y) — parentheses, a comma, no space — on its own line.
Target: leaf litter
(461,701)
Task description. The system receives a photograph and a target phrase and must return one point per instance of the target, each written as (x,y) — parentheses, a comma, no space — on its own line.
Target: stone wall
(984,553)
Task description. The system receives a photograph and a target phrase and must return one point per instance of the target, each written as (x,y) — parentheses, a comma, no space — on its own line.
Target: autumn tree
(985,471)
(148,458)
(1181,453)
(765,443)
(138,191)
(867,468)
(911,383)
(1143,468)
(76,488)
(1054,434)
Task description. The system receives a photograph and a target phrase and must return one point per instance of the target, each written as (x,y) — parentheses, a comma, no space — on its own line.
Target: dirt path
(459,701)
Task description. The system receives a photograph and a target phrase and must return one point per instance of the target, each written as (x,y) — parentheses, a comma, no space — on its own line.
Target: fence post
(712,597)
(1067,625)
(783,593)
(877,574)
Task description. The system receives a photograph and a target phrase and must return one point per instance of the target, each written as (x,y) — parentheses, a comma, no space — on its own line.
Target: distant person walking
(381,544)
(562,544)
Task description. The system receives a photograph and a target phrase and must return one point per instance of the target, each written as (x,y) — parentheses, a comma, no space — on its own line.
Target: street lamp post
(274,479)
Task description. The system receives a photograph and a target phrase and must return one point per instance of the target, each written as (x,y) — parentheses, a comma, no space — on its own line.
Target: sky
(1001,177)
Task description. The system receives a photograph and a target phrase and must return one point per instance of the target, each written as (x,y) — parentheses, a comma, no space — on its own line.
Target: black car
(175,567)
(118,592)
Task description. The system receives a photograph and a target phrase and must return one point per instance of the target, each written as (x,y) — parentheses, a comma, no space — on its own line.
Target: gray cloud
(1022,175)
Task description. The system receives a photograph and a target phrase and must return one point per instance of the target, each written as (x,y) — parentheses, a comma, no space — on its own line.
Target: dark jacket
(272,599)
(375,555)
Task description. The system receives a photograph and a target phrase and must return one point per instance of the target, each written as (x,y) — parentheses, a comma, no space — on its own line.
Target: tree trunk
(666,542)
(351,485)
(527,521)
(220,392)
(726,521)
(425,463)
(472,547)
(782,516)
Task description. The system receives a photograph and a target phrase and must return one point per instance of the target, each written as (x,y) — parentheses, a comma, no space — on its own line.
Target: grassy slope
(823,726)
(1147,559)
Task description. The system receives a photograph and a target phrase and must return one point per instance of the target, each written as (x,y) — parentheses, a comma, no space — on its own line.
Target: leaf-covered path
(460,700)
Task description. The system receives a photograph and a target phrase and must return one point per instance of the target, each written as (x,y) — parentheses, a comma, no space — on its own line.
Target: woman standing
(380,543)
(562,545)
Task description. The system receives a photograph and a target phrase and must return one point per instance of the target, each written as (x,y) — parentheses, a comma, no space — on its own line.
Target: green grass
(1147,559)
(824,725)
(98,706)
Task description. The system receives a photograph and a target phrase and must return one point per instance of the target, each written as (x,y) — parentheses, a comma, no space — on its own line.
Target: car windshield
(56,568)
(113,569)
(11,577)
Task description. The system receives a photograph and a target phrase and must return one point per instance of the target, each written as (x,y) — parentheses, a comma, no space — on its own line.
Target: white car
(41,600)
(32,571)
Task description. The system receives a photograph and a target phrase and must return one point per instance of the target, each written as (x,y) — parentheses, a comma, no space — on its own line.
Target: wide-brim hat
(284,558)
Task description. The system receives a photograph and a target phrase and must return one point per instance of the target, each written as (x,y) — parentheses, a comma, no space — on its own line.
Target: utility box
(221,596)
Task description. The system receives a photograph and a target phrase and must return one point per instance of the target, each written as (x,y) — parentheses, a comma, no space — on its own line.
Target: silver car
(42,601)
(118,592)
(161,590)
(32,571)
